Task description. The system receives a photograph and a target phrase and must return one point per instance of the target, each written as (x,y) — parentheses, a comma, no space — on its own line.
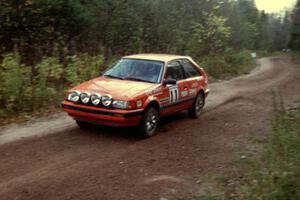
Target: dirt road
(50,158)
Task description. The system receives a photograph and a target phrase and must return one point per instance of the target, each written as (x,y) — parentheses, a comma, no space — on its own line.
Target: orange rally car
(137,91)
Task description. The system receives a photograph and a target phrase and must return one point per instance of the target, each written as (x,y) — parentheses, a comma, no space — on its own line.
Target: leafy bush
(24,89)
(82,67)
(229,63)
(11,83)
(210,37)
(46,82)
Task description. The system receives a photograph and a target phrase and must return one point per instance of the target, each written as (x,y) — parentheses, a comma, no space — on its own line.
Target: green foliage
(295,32)
(49,72)
(229,63)
(10,83)
(35,27)
(82,67)
(24,89)
(61,28)
(209,37)
(243,19)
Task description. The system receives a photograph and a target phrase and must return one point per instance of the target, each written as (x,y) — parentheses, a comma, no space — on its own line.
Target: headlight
(120,104)
(96,99)
(85,97)
(106,100)
(74,96)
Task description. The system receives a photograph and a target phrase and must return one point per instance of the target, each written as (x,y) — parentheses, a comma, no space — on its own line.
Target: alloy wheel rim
(151,122)
(199,104)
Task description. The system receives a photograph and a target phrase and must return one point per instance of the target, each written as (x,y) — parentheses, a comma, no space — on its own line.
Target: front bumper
(104,116)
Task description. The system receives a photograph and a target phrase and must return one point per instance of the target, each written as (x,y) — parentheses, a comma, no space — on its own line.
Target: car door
(175,94)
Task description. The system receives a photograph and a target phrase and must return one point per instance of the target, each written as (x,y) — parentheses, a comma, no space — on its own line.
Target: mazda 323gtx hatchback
(137,91)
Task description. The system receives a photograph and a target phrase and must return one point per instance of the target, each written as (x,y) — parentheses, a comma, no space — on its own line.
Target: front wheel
(196,110)
(149,122)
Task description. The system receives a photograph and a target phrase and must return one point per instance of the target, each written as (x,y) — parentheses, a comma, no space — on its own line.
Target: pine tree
(295,33)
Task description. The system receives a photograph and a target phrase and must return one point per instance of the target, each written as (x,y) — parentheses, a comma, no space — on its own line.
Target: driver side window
(174,71)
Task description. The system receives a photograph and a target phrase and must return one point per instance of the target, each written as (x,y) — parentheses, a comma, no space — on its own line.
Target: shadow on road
(132,133)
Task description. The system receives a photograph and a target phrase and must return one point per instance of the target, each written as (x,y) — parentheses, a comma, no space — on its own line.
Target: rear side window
(189,69)
(174,71)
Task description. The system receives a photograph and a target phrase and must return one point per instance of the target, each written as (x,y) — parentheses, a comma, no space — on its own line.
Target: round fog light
(96,99)
(74,96)
(106,100)
(85,98)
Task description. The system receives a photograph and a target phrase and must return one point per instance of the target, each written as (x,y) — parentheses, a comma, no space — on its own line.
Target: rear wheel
(149,122)
(83,125)
(196,110)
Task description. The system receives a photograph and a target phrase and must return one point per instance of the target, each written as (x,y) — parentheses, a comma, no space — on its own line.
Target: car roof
(157,57)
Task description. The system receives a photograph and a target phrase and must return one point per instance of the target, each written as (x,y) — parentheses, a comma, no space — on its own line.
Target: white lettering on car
(173,93)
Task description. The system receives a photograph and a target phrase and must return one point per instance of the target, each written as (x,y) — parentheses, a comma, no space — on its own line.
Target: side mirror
(170,81)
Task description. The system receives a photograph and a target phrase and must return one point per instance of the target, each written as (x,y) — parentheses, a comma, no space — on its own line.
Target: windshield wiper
(112,76)
(137,79)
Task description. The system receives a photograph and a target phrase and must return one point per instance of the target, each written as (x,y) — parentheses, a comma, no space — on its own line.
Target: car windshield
(136,70)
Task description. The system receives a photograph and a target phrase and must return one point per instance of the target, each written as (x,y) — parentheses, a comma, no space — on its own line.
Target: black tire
(196,110)
(83,125)
(149,122)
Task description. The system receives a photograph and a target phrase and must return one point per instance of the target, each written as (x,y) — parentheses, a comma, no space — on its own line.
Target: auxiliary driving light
(106,100)
(96,99)
(74,96)
(85,98)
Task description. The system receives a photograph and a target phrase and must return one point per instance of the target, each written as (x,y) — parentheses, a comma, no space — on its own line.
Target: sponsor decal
(184,93)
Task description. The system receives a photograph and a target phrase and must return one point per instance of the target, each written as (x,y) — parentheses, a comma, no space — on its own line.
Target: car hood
(119,89)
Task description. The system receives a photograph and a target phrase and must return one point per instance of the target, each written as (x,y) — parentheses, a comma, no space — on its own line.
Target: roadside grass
(276,174)
(273,172)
